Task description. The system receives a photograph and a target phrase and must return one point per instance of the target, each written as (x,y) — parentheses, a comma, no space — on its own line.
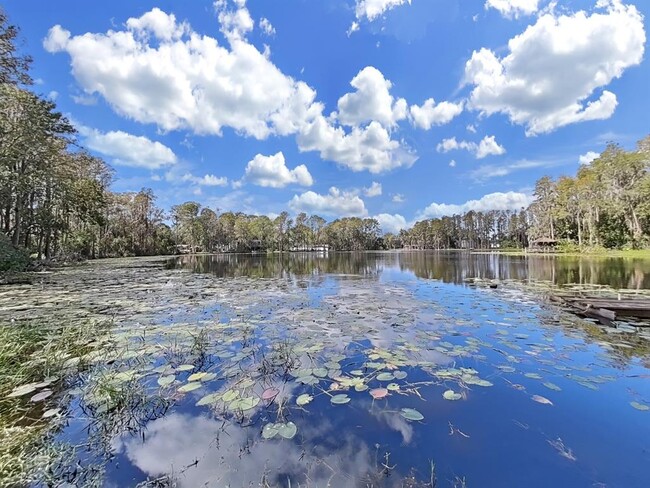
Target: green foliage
(11,258)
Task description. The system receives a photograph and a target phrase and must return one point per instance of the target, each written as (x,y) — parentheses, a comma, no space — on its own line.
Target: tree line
(55,200)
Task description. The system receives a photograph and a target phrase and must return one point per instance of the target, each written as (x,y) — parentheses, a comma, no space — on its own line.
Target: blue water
(495,436)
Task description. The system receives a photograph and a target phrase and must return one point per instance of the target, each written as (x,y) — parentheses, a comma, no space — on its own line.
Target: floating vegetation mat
(332,380)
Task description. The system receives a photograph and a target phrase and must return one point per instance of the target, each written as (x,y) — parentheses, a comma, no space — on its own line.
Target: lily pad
(185,367)
(411,414)
(340,399)
(640,406)
(385,377)
(208,399)
(400,375)
(244,404)
(230,395)
(451,395)
(304,399)
(23,390)
(551,386)
(50,413)
(541,399)
(379,393)
(288,430)
(270,431)
(392,386)
(533,376)
(270,394)
(196,377)
(39,397)
(190,387)
(166,380)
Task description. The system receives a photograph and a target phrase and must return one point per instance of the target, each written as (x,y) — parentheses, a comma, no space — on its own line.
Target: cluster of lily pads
(257,352)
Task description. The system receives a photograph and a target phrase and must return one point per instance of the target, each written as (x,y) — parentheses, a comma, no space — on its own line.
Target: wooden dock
(609,309)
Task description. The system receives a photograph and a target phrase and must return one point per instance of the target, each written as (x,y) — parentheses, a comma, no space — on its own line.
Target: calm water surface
(542,398)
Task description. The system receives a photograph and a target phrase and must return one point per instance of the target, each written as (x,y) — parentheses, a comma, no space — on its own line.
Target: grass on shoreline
(591,253)
(43,359)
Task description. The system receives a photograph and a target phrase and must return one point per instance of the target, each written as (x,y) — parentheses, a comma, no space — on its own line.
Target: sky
(394,109)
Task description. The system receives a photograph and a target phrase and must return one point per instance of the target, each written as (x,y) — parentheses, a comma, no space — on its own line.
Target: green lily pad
(451,395)
(166,380)
(39,397)
(189,387)
(385,377)
(270,431)
(23,390)
(551,386)
(533,376)
(304,399)
(196,377)
(320,372)
(50,413)
(411,414)
(400,375)
(340,399)
(360,387)
(288,430)
(185,367)
(244,404)
(356,372)
(208,399)
(640,406)
(392,386)
(230,395)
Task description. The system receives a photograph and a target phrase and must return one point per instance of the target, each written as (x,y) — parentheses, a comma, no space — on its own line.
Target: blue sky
(393,109)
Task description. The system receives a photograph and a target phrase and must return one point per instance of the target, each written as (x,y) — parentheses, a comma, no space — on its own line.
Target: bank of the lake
(354,369)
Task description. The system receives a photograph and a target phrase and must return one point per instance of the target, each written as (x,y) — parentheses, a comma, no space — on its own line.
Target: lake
(352,370)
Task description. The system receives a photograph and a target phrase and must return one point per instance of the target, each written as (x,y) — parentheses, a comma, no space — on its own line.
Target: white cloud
(588,158)
(430,114)
(391,223)
(372,9)
(371,101)
(128,150)
(84,99)
(353,28)
(551,75)
(267,27)
(160,71)
(336,203)
(513,8)
(398,198)
(272,171)
(452,163)
(373,190)
(484,173)
(471,128)
(205,180)
(488,146)
(53,95)
(362,149)
(493,201)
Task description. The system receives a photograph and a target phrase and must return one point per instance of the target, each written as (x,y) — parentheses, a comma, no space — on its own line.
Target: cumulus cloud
(372,9)
(513,8)
(488,146)
(271,171)
(392,223)
(367,148)
(588,157)
(430,114)
(373,190)
(452,163)
(398,198)
(371,101)
(553,71)
(125,149)
(493,201)
(205,180)
(158,70)
(335,203)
